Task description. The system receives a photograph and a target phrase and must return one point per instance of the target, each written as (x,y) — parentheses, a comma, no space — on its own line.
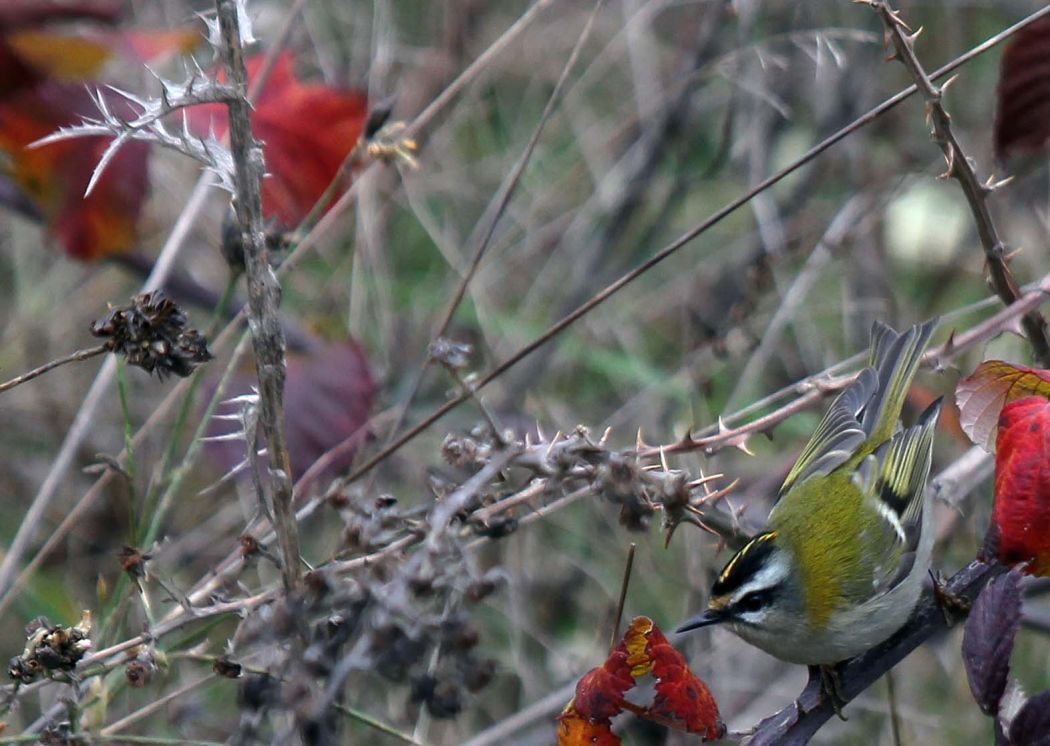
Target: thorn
(1009,255)
(911,42)
(718,494)
(949,346)
(739,440)
(704,480)
(948,82)
(539,431)
(991,184)
(895,18)
(663,459)
(605,437)
(639,442)
(950,159)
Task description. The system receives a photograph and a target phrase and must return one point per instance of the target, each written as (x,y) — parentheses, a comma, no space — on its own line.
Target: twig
(678,243)
(623,596)
(71,358)
(962,170)
(264,293)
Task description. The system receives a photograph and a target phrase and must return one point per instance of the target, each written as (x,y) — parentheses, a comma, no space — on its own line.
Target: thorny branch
(264,292)
(961,168)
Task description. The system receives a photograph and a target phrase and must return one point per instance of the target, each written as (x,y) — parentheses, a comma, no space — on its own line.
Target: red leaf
(599,692)
(307,130)
(982,395)
(36,98)
(1022,484)
(680,694)
(1022,116)
(55,177)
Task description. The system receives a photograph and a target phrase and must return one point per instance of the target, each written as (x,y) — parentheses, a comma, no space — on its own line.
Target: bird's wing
(839,434)
(893,481)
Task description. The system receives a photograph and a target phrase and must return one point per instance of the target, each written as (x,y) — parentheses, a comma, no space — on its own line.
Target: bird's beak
(711,616)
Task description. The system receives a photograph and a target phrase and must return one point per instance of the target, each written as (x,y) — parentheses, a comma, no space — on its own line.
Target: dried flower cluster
(50,649)
(152,333)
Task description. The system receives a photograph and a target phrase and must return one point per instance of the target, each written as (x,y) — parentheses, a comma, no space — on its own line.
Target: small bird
(842,563)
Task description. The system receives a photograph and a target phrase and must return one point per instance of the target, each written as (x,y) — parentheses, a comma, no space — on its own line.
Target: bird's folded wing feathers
(903,464)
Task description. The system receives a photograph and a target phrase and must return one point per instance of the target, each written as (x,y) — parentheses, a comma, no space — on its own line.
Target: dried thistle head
(152,333)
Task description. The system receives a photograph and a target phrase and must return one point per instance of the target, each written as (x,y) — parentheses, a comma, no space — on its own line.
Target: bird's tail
(895,358)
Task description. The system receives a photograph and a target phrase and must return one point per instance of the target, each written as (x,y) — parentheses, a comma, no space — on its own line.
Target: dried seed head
(133,561)
(139,672)
(249,545)
(151,333)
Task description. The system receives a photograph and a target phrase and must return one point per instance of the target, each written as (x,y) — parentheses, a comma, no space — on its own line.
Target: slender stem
(623,596)
(36,372)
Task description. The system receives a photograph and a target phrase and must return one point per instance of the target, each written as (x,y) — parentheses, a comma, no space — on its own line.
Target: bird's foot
(830,687)
(952,606)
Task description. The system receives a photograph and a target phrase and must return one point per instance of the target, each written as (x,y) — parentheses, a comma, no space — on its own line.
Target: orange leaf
(576,730)
(65,57)
(1022,484)
(680,694)
(307,130)
(995,383)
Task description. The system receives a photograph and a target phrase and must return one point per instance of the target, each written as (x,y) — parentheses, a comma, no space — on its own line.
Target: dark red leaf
(988,639)
(1031,725)
(328,397)
(1022,484)
(307,130)
(1022,116)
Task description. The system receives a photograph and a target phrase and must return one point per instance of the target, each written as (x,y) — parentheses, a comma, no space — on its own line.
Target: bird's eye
(752,602)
